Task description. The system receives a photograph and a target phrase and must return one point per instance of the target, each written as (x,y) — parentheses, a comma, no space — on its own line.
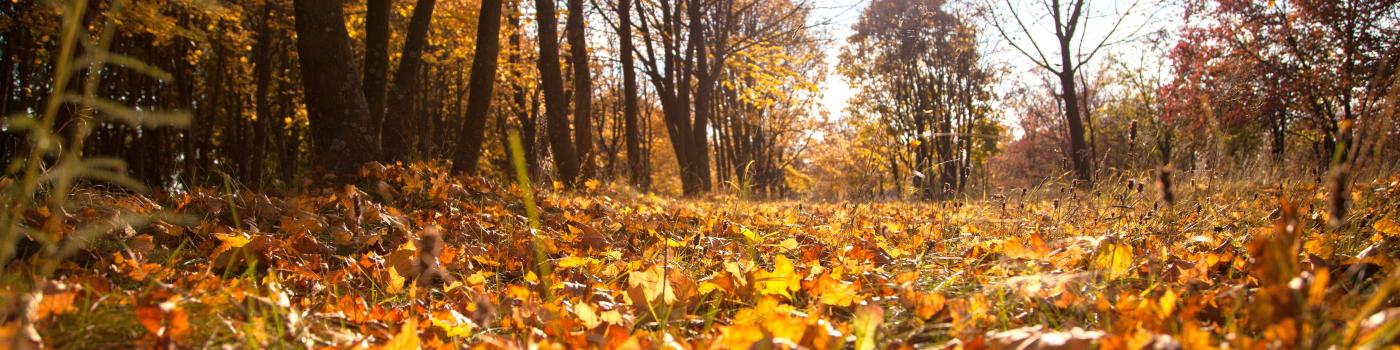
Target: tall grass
(38,186)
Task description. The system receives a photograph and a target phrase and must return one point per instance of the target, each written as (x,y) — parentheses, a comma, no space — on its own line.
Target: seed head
(1337,202)
(1164,183)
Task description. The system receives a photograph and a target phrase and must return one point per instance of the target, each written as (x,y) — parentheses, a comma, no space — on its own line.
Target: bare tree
(1068,18)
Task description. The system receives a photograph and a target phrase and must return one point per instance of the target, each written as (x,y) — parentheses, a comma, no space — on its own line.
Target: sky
(836,17)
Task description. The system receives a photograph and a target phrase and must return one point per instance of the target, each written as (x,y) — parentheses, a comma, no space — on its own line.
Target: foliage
(921,75)
(1293,73)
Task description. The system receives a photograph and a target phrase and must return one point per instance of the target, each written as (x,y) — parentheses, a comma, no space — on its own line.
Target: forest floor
(410,257)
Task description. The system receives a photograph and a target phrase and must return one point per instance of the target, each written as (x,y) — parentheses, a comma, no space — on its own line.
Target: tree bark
(9,141)
(704,95)
(262,72)
(395,135)
(342,131)
(377,59)
(636,169)
(556,104)
(1079,150)
(583,84)
(1065,29)
(483,81)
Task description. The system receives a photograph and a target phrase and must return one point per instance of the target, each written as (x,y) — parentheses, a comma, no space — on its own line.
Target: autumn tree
(663,24)
(920,73)
(686,47)
(765,99)
(1312,68)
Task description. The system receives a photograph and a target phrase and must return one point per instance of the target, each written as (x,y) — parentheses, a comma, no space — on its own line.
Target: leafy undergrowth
(411,257)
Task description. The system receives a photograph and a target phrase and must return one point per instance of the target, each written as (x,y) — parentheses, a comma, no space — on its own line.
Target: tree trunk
(377,59)
(636,169)
(583,85)
(262,72)
(704,95)
(556,105)
(483,81)
(10,141)
(396,136)
(1079,150)
(342,131)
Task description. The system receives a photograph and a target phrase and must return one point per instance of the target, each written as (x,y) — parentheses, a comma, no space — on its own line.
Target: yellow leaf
(587,315)
(788,244)
(395,282)
(1319,246)
(234,241)
(866,321)
(1167,303)
(571,262)
(836,292)
(783,280)
(1387,227)
(477,279)
(750,235)
(453,323)
(653,285)
(1114,259)
(762,324)
(706,287)
(674,243)
(406,339)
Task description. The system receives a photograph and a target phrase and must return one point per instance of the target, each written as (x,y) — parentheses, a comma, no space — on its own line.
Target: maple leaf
(767,323)
(1113,259)
(453,323)
(393,282)
(406,339)
(587,314)
(839,293)
(652,284)
(782,280)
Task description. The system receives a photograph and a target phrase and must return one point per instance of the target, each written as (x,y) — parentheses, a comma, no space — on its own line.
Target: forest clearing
(700,174)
